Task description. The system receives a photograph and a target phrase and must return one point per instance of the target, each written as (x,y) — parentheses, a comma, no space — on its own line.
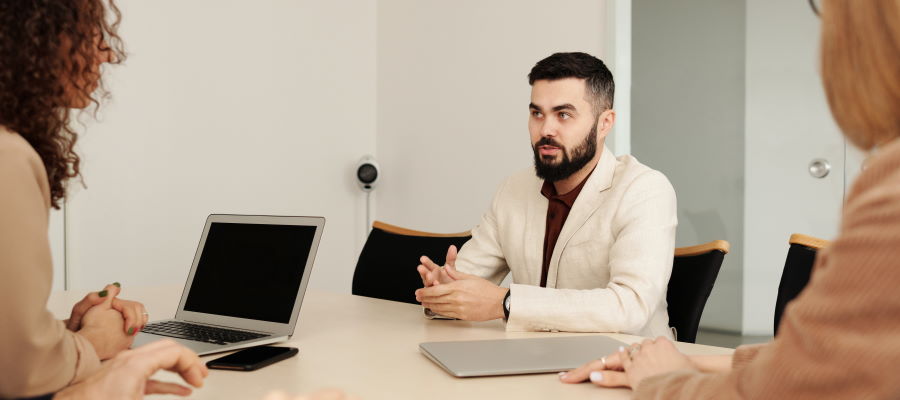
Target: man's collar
(602,177)
(548,189)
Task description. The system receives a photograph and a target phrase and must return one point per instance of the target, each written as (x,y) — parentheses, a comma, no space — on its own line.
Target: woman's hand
(101,325)
(631,365)
(127,376)
(134,313)
(92,299)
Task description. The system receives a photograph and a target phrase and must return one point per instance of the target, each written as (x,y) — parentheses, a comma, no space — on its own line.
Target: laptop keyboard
(199,333)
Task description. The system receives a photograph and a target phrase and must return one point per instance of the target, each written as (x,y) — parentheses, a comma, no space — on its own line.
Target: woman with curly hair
(50,57)
(840,338)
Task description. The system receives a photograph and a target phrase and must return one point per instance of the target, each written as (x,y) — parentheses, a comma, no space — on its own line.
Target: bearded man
(588,237)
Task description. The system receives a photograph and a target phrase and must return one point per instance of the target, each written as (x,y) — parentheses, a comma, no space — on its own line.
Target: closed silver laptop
(518,356)
(246,283)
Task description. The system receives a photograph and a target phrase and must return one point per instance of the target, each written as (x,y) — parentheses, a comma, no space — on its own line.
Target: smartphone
(252,358)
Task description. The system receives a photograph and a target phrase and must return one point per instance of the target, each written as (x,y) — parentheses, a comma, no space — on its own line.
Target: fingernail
(621,348)
(102,293)
(131,331)
(596,376)
(118,285)
(562,375)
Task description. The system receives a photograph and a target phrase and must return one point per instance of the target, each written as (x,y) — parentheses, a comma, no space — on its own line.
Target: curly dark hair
(48,49)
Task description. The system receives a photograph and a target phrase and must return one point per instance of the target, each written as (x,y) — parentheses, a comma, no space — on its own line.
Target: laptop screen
(250,271)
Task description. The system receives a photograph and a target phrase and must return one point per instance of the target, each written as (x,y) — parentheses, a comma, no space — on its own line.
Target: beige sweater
(38,355)
(840,338)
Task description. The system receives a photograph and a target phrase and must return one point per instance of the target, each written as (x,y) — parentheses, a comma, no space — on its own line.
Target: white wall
(788,124)
(728,102)
(617,53)
(453,98)
(688,122)
(258,107)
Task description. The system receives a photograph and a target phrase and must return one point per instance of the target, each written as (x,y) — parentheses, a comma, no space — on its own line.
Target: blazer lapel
(535,226)
(586,204)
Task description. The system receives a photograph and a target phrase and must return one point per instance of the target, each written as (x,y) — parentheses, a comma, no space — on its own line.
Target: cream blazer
(612,262)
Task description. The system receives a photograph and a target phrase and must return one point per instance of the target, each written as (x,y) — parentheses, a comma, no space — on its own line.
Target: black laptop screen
(250,271)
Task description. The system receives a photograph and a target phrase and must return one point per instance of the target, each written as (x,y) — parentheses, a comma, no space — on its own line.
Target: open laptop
(246,283)
(471,358)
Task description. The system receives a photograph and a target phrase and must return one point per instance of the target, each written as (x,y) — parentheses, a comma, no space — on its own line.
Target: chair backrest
(386,268)
(694,272)
(797,268)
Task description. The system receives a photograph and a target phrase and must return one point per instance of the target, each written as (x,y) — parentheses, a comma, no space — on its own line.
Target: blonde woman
(840,338)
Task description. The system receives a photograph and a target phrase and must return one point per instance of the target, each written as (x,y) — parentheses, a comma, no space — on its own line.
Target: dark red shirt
(557,212)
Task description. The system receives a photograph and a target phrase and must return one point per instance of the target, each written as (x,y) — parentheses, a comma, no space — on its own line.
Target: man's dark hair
(598,79)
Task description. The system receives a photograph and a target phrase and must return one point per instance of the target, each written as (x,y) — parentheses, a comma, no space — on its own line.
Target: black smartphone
(252,358)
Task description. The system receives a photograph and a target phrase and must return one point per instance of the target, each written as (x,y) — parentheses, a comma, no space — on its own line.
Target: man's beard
(581,155)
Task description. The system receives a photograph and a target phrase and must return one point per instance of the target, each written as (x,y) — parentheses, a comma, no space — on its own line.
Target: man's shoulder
(631,173)
(517,189)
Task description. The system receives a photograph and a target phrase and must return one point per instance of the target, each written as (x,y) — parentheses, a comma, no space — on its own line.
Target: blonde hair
(861,68)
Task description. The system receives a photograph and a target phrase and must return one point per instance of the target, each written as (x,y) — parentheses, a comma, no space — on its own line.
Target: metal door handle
(819,168)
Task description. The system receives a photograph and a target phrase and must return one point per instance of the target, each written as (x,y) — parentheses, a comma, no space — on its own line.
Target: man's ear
(605,122)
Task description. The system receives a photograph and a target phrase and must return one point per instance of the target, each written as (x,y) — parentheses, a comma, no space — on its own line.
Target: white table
(369,347)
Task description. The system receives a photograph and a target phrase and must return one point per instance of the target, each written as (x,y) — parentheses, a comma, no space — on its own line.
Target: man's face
(563,128)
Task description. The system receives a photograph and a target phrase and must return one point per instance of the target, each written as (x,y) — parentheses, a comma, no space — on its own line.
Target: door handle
(819,168)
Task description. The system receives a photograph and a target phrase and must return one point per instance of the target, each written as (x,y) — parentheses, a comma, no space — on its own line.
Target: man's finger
(609,379)
(423,273)
(435,291)
(445,299)
(428,263)
(446,310)
(434,277)
(451,256)
(452,273)
(157,387)
(444,274)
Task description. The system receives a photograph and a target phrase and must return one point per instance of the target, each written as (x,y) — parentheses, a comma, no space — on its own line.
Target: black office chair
(386,268)
(694,272)
(797,269)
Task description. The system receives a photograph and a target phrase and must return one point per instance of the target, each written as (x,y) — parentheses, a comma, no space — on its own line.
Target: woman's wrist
(95,338)
(69,393)
(720,363)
